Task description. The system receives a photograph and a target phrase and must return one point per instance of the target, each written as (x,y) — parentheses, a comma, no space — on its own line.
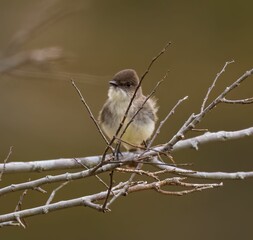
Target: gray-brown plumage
(121,90)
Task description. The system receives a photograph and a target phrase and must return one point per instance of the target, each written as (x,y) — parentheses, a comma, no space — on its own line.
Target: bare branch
(193,120)
(241,101)
(34,184)
(88,200)
(203,175)
(91,161)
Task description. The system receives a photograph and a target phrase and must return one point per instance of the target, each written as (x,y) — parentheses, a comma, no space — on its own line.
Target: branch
(58,178)
(193,120)
(203,175)
(241,101)
(88,201)
(91,161)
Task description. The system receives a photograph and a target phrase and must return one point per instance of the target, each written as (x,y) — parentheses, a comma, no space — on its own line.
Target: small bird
(121,90)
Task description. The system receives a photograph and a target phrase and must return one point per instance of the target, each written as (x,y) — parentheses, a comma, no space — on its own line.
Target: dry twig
(89,111)
(52,195)
(213,84)
(5,161)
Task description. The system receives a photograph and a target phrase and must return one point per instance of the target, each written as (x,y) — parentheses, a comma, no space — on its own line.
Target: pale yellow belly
(135,134)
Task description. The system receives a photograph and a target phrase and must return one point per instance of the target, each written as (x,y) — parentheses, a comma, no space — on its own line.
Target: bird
(121,90)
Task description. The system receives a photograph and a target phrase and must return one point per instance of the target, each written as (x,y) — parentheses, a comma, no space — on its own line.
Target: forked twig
(213,84)
(18,208)
(194,119)
(52,195)
(20,202)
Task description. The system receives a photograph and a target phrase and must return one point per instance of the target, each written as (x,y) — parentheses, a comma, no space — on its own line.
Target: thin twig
(99,179)
(139,85)
(5,161)
(104,207)
(142,172)
(20,222)
(18,208)
(52,195)
(200,130)
(130,144)
(89,111)
(172,111)
(20,202)
(194,119)
(184,192)
(39,189)
(240,101)
(9,224)
(144,102)
(124,190)
(213,84)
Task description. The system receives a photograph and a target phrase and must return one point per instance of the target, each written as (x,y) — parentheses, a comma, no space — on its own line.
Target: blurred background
(43,118)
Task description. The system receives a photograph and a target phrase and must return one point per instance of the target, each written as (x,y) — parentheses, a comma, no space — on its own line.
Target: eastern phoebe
(121,90)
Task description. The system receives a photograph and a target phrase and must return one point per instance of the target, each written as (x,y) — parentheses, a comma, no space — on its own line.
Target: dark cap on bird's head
(127,80)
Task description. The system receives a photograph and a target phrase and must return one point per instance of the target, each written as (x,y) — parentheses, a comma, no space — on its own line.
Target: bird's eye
(128,84)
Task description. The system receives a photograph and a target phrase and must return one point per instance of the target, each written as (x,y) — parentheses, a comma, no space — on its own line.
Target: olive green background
(43,118)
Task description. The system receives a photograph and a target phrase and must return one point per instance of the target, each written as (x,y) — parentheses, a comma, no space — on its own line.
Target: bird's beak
(113,83)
